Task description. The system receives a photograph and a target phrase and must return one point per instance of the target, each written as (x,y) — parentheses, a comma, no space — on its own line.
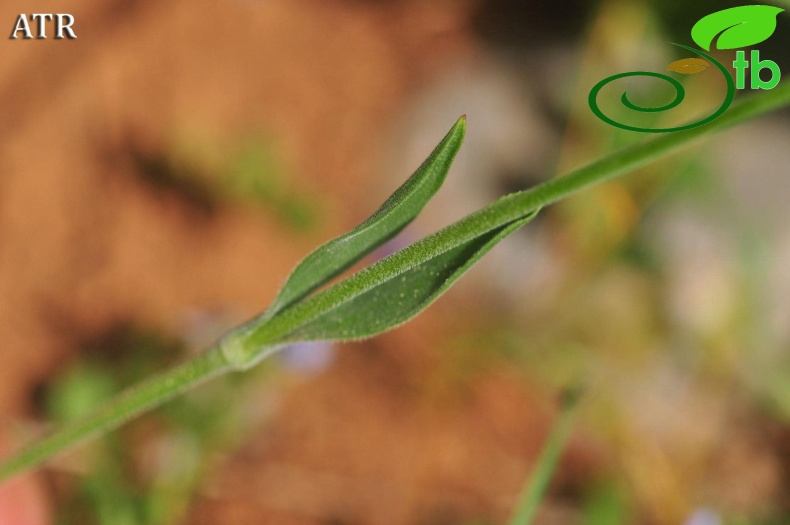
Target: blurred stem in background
(537,484)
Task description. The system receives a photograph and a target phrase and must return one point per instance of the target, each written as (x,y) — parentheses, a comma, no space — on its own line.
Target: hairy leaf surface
(332,258)
(387,293)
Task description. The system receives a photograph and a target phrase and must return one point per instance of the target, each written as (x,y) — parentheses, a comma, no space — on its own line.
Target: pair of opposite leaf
(739,27)
(386,293)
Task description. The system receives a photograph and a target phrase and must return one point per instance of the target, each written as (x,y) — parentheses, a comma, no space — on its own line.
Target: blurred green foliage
(147,474)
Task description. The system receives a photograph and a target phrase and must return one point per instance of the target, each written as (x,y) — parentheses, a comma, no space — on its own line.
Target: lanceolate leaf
(337,255)
(400,296)
(387,293)
(742,26)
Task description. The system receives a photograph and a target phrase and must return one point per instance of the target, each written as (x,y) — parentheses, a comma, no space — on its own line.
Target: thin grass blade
(535,488)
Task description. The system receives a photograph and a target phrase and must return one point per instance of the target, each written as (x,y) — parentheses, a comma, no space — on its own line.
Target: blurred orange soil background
(394,431)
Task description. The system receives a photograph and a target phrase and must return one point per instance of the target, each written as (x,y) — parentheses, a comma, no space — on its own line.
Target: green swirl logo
(736,27)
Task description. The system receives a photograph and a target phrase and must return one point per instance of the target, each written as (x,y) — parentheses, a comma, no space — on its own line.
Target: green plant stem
(626,160)
(157,390)
(254,339)
(141,398)
(636,156)
(538,482)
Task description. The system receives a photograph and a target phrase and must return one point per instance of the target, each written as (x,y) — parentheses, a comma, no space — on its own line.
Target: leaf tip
(461,122)
(459,128)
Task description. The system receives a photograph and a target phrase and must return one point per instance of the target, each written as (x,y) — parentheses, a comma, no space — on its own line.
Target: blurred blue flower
(704,516)
(309,357)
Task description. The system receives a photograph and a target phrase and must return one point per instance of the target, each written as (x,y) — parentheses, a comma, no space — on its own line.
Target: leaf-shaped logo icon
(739,27)
(688,66)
